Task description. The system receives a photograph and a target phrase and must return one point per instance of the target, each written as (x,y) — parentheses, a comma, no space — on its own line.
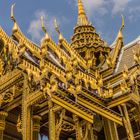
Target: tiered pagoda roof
(68,90)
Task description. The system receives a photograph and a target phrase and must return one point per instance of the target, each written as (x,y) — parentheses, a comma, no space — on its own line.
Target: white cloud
(133,13)
(93,7)
(35,25)
(119,6)
(98,6)
(102,7)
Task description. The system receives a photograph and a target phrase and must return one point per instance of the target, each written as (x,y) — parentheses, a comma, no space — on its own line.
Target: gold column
(26,113)
(36,127)
(110,130)
(3,116)
(92,137)
(51,121)
(77,127)
(126,121)
(137,112)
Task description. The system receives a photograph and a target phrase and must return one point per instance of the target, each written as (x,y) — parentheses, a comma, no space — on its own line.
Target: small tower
(87,42)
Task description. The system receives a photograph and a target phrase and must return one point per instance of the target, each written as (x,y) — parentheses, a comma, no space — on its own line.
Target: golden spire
(82,18)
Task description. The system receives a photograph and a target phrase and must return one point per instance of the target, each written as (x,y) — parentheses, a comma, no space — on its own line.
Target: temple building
(82,90)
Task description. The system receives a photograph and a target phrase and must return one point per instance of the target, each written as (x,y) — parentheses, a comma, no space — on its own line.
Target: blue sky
(104,14)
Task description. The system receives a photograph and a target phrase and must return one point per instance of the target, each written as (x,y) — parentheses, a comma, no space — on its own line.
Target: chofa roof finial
(123,24)
(47,37)
(43,25)
(57,29)
(120,34)
(12,12)
(56,26)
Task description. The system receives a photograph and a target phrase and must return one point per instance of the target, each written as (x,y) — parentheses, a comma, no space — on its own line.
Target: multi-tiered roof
(68,89)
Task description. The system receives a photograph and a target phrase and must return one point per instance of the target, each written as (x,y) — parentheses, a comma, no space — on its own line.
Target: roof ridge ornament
(123,23)
(43,25)
(57,29)
(15,27)
(82,17)
(47,37)
(56,26)
(118,44)
(120,34)
(12,13)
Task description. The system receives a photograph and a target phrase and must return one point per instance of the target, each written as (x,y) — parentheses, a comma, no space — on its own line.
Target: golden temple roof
(62,89)
(85,34)
(87,41)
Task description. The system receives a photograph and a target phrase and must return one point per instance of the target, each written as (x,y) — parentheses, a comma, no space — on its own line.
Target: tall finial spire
(82,18)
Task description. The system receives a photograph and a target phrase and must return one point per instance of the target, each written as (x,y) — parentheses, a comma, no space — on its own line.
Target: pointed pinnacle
(82,18)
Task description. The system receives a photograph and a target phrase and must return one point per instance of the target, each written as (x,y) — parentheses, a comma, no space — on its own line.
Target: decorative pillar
(127,123)
(110,130)
(26,113)
(3,116)
(77,127)
(36,127)
(91,132)
(137,112)
(51,121)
